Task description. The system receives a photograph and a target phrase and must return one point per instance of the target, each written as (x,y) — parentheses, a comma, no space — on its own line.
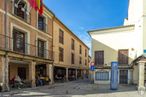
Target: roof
(71,32)
(140,58)
(107,29)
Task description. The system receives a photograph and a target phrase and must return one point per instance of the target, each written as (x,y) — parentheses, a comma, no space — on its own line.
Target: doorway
(123,76)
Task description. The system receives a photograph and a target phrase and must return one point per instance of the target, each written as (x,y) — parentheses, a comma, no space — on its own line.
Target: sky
(81,16)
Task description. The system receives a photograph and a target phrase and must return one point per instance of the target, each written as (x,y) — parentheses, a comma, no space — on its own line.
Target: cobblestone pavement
(75,89)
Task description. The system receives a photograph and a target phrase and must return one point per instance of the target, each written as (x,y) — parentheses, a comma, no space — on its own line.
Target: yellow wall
(67,47)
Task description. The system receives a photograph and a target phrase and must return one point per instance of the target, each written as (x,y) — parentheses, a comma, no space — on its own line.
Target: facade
(126,45)
(26,43)
(70,53)
(30,45)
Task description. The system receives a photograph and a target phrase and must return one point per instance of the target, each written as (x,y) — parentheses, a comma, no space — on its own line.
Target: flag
(32,3)
(41,7)
(37,5)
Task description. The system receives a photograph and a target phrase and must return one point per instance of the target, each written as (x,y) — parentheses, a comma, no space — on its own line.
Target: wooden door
(123,56)
(123,76)
(99,58)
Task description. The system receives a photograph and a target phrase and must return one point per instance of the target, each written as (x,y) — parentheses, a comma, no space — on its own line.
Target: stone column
(2,74)
(66,74)
(141,70)
(50,72)
(5,73)
(130,76)
(32,73)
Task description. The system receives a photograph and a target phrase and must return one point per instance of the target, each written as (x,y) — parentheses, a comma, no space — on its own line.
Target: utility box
(114,76)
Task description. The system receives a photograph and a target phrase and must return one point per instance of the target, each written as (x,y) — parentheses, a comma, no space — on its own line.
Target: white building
(125,44)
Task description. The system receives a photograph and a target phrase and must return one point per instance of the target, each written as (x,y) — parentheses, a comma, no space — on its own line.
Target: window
(41,48)
(85,62)
(21,9)
(61,54)
(80,61)
(102,76)
(80,49)
(61,36)
(72,44)
(72,58)
(123,56)
(99,58)
(41,23)
(85,52)
(18,41)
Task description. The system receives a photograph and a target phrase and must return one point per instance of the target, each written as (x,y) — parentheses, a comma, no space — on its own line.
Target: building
(126,45)
(70,53)
(33,45)
(26,43)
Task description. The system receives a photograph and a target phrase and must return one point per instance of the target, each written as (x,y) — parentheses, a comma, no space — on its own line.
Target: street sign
(92,68)
(144,51)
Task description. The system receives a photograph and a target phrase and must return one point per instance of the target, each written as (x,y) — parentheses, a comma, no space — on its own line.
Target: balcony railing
(28,49)
(24,15)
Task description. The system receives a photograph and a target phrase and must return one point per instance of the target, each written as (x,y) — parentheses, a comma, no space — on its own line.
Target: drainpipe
(6,66)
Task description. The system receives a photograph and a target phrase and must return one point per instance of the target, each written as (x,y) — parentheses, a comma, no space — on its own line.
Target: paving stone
(75,89)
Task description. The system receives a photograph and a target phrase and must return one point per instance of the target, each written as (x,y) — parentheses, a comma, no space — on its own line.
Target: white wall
(113,40)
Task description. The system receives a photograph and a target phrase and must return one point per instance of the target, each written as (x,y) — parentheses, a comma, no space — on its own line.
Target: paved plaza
(75,89)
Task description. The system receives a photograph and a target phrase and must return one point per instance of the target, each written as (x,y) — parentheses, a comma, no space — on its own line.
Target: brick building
(30,45)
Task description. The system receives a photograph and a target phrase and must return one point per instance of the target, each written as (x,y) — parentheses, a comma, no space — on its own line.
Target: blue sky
(81,16)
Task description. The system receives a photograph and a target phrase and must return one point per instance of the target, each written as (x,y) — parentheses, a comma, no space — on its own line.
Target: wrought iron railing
(24,14)
(27,49)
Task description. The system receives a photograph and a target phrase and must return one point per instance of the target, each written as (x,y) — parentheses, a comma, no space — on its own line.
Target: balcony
(27,49)
(21,13)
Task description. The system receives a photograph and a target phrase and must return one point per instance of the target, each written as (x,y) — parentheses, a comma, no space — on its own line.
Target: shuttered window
(61,36)
(123,56)
(102,76)
(41,48)
(18,41)
(61,54)
(72,58)
(99,57)
(80,49)
(72,44)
